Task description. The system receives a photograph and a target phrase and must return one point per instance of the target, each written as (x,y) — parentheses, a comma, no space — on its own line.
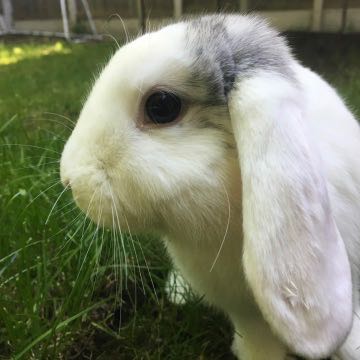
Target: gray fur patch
(226,47)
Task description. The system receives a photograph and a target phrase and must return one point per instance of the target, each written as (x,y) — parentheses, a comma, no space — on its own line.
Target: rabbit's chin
(95,207)
(105,209)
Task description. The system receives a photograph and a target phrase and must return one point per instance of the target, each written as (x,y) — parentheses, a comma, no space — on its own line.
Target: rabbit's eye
(162,107)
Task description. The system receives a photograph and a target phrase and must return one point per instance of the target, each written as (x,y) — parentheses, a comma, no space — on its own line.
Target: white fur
(299,170)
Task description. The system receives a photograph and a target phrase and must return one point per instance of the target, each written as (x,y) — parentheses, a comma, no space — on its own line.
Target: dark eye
(162,107)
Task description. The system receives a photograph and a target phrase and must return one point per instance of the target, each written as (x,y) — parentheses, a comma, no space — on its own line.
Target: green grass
(67,290)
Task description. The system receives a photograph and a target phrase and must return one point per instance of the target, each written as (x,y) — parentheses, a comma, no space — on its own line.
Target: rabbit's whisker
(28,158)
(55,203)
(71,202)
(55,122)
(57,182)
(226,229)
(32,146)
(132,266)
(149,272)
(61,116)
(136,256)
(113,38)
(54,170)
(87,251)
(86,217)
(97,248)
(120,256)
(84,228)
(120,233)
(71,236)
(122,23)
(82,238)
(39,175)
(54,135)
(95,242)
(117,270)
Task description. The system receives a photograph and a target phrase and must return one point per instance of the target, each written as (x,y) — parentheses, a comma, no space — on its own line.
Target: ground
(67,289)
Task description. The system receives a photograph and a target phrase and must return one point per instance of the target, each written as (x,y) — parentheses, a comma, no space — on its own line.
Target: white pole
(317,15)
(89,16)
(178,8)
(65,19)
(344,14)
(2,23)
(71,4)
(8,14)
(141,15)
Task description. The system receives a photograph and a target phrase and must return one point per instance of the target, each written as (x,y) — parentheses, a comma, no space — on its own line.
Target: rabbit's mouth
(92,200)
(103,203)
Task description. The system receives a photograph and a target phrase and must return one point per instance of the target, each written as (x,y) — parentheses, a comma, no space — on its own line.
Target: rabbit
(210,133)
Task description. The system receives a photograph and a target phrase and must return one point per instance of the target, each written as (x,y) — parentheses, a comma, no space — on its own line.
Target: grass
(67,290)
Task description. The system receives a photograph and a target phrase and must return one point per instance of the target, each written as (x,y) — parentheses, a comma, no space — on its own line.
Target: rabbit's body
(330,122)
(254,184)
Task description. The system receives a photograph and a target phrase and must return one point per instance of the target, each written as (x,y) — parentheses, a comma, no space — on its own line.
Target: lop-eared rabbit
(210,133)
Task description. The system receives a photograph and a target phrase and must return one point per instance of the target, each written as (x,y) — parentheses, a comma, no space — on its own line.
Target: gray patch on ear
(226,47)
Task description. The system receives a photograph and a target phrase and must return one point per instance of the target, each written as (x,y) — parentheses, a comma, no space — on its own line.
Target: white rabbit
(210,133)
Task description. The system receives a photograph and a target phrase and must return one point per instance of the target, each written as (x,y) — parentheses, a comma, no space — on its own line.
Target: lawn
(69,290)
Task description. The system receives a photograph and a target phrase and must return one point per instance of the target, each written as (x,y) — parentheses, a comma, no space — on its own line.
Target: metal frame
(6,21)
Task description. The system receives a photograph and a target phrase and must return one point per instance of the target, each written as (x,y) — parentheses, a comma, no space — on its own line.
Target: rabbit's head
(153,146)
(183,121)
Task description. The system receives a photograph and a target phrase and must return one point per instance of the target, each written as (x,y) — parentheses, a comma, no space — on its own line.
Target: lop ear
(294,257)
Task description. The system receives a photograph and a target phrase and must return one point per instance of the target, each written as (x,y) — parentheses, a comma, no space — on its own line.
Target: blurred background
(71,290)
(81,16)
